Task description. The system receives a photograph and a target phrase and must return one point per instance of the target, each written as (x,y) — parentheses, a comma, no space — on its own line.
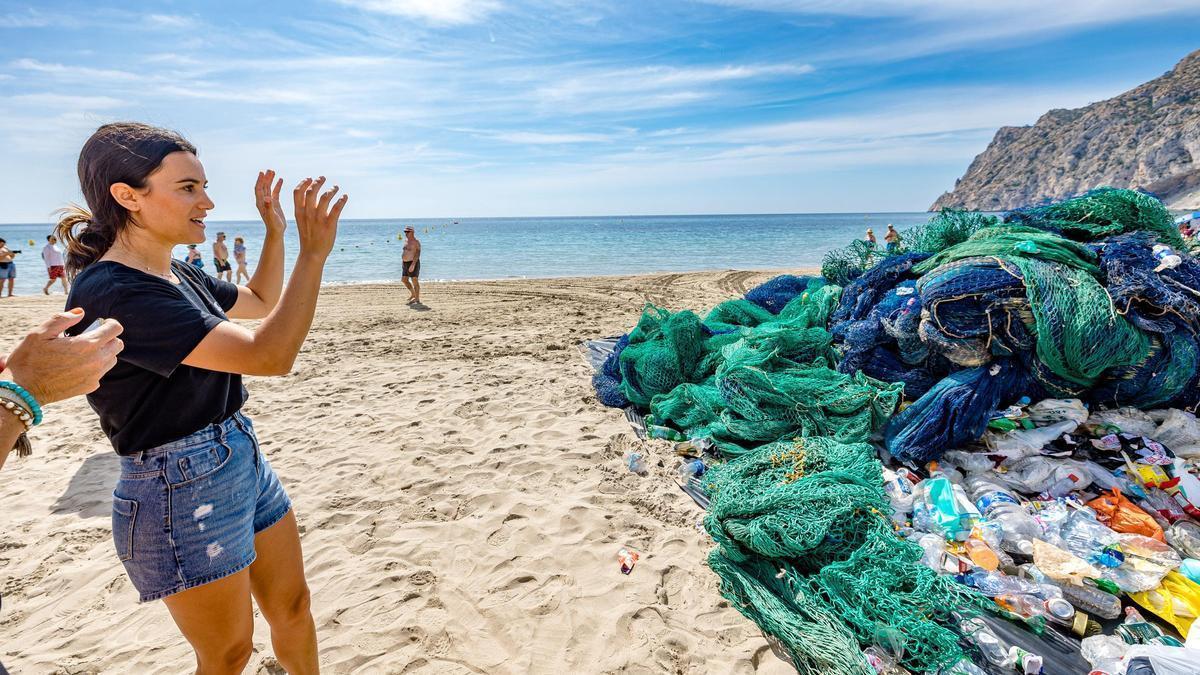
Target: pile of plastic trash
(968,455)
(1082,523)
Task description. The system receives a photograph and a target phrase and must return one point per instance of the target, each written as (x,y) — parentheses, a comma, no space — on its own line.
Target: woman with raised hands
(200,520)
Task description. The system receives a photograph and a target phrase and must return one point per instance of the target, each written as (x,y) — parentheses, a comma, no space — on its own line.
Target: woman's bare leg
(277,581)
(217,620)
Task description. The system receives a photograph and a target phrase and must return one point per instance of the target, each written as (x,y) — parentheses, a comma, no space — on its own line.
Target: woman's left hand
(266,197)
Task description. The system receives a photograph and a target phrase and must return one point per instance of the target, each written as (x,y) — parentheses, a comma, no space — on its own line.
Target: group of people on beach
(52,256)
(221,258)
(891,238)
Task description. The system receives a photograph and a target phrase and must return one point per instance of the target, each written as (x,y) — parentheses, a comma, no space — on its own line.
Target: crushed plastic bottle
(994,584)
(636,462)
(1002,507)
(1085,598)
(1063,486)
(991,647)
(691,469)
(1104,653)
(1184,536)
(1136,630)
(900,492)
(1029,607)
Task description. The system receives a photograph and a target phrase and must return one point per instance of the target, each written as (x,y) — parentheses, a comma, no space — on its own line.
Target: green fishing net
(803,535)
(1102,213)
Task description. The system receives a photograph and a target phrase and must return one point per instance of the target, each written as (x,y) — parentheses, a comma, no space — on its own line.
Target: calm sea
(500,248)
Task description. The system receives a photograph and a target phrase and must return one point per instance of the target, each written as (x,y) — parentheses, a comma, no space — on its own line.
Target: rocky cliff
(1147,138)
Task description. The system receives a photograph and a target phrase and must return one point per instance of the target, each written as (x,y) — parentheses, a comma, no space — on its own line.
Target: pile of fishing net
(1092,298)
(806,550)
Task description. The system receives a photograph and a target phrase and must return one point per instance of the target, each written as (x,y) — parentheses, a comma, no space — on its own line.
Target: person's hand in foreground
(53,367)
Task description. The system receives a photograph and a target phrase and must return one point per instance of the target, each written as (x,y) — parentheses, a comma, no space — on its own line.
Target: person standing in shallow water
(221,258)
(239,256)
(892,237)
(8,268)
(200,520)
(410,259)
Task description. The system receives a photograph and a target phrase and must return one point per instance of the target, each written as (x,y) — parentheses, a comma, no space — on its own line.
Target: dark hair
(121,152)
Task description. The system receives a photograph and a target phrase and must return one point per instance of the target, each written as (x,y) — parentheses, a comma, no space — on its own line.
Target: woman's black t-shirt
(150,397)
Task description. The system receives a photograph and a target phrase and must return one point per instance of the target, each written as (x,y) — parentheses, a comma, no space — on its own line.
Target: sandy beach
(460,493)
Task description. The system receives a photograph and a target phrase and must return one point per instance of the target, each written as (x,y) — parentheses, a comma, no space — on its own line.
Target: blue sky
(430,108)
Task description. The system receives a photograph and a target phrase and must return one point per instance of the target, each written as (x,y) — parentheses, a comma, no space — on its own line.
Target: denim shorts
(185,513)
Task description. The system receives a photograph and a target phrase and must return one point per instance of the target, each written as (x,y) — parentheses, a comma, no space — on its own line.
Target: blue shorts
(185,513)
(8,271)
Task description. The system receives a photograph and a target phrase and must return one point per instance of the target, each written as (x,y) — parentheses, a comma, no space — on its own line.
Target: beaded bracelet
(17,408)
(31,403)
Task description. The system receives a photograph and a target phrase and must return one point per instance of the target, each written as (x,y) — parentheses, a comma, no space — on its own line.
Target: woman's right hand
(54,367)
(316,217)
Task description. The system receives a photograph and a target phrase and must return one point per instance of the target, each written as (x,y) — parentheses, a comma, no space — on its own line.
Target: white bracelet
(13,403)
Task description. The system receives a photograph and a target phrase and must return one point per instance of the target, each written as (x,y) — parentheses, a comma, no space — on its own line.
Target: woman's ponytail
(121,152)
(85,240)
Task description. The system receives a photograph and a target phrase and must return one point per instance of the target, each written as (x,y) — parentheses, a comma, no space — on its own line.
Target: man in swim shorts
(411,261)
(55,264)
(221,258)
(8,268)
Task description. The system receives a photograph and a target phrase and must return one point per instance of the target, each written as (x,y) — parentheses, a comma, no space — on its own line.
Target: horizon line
(585,215)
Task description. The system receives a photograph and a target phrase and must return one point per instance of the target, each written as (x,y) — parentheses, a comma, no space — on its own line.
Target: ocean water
(369,251)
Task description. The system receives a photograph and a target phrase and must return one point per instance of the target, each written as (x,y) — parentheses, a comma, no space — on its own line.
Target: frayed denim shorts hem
(185,513)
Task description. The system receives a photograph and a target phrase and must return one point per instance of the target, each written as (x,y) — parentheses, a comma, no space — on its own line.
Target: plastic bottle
(636,462)
(934,546)
(1002,507)
(1028,606)
(991,647)
(1063,486)
(1184,536)
(1085,598)
(994,584)
(981,554)
(900,492)
(691,469)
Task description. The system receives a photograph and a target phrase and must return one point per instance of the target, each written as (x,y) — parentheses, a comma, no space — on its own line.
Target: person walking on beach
(871,237)
(8,267)
(221,258)
(410,260)
(892,237)
(239,255)
(55,265)
(194,258)
(200,520)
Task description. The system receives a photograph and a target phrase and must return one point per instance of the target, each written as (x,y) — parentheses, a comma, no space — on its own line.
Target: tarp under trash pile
(972,453)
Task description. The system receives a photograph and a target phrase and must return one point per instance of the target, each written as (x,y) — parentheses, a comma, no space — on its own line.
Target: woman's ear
(126,196)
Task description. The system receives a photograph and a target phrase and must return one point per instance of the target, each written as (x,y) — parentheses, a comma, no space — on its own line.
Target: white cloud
(939,26)
(440,12)
(539,138)
(66,101)
(84,73)
(649,87)
(32,18)
(170,21)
